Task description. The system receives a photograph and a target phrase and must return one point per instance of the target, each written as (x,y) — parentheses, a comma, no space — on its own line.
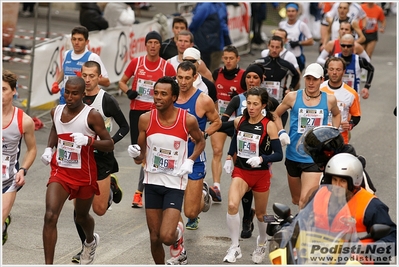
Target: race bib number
(273,89)
(68,154)
(309,118)
(164,160)
(370,24)
(349,79)
(145,90)
(5,167)
(222,105)
(248,144)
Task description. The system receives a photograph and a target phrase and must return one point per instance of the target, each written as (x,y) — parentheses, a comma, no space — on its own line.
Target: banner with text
(116,47)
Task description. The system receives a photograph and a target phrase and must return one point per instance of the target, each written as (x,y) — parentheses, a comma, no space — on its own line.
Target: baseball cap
(315,70)
(192,52)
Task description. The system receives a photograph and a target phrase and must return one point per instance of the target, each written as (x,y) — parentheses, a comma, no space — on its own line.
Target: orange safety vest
(357,206)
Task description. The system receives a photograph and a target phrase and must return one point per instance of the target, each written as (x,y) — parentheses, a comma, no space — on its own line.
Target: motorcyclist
(327,213)
(323,142)
(345,170)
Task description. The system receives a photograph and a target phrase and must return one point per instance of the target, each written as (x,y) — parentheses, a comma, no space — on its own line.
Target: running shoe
(76,258)
(5,234)
(89,251)
(215,193)
(207,197)
(233,254)
(259,253)
(181,259)
(137,200)
(248,225)
(116,189)
(177,248)
(192,224)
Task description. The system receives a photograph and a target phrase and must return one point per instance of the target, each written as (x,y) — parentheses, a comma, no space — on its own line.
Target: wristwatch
(25,170)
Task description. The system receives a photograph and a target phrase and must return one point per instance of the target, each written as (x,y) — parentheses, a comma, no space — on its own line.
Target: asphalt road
(124,238)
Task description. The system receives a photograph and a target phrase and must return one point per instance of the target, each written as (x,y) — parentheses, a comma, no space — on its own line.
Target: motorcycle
(318,236)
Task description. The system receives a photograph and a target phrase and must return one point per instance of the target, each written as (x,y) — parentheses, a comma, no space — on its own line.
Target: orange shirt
(374,14)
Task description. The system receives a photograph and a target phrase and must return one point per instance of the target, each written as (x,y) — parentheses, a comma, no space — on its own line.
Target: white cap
(192,52)
(315,70)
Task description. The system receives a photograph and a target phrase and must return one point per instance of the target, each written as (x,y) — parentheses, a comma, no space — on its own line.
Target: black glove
(131,94)
(233,93)
(294,44)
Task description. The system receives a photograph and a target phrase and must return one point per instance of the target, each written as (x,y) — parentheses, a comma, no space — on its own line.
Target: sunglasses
(191,60)
(347,45)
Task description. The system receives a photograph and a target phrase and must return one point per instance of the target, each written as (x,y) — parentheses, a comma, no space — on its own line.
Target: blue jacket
(201,12)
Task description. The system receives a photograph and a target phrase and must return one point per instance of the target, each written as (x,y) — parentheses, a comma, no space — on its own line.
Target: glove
(284,138)
(134,150)
(185,168)
(254,162)
(55,88)
(131,94)
(228,166)
(294,44)
(47,155)
(80,139)
(78,73)
(233,93)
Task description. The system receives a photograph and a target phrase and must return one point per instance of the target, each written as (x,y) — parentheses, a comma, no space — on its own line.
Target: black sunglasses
(347,45)
(191,60)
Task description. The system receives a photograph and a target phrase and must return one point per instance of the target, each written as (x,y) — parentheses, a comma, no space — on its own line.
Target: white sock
(233,223)
(89,244)
(217,185)
(179,231)
(262,232)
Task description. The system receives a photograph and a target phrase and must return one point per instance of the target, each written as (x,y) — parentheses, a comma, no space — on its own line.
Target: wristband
(25,170)
(206,135)
(281,132)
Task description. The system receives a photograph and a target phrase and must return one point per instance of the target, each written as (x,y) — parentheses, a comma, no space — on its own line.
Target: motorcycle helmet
(346,166)
(322,143)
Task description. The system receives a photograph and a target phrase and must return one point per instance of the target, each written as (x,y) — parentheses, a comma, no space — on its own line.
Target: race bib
(309,118)
(68,154)
(273,89)
(5,167)
(349,79)
(247,144)
(164,160)
(145,90)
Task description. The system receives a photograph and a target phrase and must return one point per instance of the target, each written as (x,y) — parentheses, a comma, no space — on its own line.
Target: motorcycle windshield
(324,231)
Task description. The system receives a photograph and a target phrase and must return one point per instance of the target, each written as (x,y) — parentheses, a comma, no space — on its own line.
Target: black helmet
(322,143)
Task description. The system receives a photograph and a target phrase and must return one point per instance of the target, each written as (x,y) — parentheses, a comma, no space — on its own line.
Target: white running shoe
(177,248)
(233,254)
(207,197)
(89,251)
(181,259)
(259,253)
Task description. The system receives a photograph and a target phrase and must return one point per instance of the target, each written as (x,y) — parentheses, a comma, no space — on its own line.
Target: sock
(217,185)
(89,244)
(233,223)
(179,230)
(262,232)
(247,204)
(79,228)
